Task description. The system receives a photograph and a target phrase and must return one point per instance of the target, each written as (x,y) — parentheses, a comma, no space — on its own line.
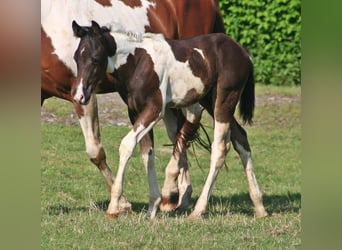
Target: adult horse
(211,72)
(175,19)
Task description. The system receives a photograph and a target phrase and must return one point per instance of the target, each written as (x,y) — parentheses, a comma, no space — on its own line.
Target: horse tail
(247,99)
(218,26)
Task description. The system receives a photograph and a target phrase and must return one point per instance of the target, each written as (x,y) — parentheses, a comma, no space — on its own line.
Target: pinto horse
(211,72)
(173,18)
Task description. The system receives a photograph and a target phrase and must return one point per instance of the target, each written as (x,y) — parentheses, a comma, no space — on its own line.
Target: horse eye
(95,61)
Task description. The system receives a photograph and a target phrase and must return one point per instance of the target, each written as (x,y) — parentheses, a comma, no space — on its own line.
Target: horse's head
(91,57)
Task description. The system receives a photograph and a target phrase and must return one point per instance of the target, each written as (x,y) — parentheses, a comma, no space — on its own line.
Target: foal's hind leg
(219,150)
(88,118)
(174,196)
(170,192)
(241,145)
(147,153)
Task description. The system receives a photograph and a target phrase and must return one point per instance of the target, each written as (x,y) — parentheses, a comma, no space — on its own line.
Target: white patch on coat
(200,52)
(110,66)
(79,91)
(57,17)
(82,50)
(193,112)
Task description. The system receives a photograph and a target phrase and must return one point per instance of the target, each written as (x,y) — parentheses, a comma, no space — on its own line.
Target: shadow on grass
(99,205)
(62,209)
(235,204)
(241,203)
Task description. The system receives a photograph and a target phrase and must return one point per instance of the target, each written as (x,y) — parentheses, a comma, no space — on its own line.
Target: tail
(247,99)
(218,26)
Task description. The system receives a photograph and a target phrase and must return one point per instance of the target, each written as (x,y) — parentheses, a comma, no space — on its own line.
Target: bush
(270,30)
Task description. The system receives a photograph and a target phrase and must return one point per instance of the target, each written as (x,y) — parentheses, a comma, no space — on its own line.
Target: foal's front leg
(126,148)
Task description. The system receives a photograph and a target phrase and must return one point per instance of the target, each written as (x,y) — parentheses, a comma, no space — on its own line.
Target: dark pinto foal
(210,72)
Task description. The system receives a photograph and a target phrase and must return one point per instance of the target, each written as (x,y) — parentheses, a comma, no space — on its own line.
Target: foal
(209,72)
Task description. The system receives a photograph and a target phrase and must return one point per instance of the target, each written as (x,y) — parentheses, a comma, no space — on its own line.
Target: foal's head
(91,57)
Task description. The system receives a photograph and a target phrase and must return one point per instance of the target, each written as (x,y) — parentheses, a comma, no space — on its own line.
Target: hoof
(184,200)
(112,216)
(261,214)
(167,207)
(195,216)
(125,207)
(170,203)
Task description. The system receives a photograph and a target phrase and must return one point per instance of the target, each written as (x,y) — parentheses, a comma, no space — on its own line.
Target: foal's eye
(95,61)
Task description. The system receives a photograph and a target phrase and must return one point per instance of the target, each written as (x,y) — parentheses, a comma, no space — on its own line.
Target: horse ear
(78,30)
(96,28)
(110,44)
(109,41)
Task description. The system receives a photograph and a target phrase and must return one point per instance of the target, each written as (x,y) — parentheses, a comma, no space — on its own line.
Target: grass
(74,197)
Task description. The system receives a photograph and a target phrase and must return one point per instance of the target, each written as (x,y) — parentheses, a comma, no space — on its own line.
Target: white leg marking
(172,168)
(184,187)
(126,148)
(171,173)
(254,190)
(148,160)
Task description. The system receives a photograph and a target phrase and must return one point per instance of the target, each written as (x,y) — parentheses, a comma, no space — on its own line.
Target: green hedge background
(270,30)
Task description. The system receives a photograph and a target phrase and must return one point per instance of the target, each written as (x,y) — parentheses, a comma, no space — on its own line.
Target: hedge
(270,30)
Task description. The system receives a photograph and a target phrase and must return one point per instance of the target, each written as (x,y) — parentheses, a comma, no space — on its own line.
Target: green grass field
(74,197)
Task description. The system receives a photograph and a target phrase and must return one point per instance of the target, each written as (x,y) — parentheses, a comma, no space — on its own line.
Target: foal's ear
(110,44)
(96,28)
(78,30)
(107,39)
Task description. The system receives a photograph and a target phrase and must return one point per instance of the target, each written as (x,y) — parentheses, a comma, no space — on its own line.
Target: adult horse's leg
(88,118)
(241,145)
(174,196)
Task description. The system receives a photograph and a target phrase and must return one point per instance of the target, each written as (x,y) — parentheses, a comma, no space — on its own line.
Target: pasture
(74,197)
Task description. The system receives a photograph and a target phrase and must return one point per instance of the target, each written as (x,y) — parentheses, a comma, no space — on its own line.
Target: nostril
(78,96)
(81,99)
